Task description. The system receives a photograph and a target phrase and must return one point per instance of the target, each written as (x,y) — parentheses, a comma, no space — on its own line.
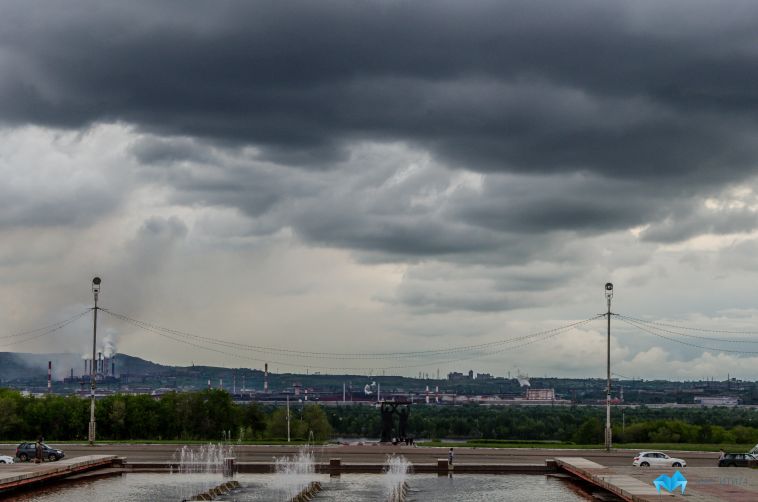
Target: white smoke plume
(109,346)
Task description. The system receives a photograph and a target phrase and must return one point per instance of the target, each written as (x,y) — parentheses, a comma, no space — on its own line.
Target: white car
(5,459)
(657,459)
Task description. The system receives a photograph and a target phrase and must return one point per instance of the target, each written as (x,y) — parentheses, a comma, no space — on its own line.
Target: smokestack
(99,362)
(427,394)
(265,378)
(105,365)
(49,377)
(437,394)
(72,373)
(113,366)
(85,367)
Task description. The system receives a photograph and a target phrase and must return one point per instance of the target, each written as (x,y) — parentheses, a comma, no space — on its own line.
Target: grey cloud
(554,203)
(153,245)
(690,218)
(740,256)
(616,89)
(422,299)
(57,206)
(392,235)
(54,179)
(595,118)
(440,287)
(161,151)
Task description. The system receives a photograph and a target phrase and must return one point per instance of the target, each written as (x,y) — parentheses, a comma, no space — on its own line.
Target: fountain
(203,468)
(295,476)
(396,470)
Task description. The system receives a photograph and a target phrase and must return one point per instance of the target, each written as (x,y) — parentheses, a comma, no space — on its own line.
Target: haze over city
(364,177)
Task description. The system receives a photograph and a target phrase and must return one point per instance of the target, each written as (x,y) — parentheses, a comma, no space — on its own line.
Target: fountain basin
(138,487)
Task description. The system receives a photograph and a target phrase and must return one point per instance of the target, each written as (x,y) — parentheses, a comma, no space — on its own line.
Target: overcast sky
(384,176)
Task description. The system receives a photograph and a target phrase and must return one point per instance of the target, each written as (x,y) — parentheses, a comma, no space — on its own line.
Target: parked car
(25,451)
(657,459)
(738,460)
(5,459)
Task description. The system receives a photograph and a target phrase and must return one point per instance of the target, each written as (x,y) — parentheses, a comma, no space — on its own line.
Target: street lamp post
(96,291)
(608,430)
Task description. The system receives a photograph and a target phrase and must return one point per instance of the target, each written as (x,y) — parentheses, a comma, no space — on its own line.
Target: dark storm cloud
(152,150)
(624,113)
(624,89)
(544,204)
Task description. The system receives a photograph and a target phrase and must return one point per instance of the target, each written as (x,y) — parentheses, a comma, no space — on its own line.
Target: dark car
(26,451)
(738,460)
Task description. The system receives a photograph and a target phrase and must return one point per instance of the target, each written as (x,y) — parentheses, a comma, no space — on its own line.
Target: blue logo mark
(670,483)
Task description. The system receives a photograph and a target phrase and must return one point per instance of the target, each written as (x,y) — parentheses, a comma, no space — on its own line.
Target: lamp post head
(96,286)
(608,290)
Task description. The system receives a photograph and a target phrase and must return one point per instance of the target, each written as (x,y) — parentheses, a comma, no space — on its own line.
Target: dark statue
(387,422)
(388,410)
(403,419)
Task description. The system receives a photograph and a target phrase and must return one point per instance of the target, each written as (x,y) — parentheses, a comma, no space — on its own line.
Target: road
(357,454)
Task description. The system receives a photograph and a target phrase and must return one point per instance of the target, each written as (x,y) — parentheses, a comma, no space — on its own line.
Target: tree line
(212,415)
(207,415)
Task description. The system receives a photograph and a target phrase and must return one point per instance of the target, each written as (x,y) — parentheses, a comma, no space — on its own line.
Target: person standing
(450,457)
(38,451)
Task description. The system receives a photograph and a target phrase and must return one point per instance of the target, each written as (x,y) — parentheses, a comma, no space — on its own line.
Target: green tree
(590,432)
(315,421)
(276,427)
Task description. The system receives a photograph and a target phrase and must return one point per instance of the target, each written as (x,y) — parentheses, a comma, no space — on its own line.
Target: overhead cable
(40,332)
(341,355)
(199,341)
(658,327)
(654,333)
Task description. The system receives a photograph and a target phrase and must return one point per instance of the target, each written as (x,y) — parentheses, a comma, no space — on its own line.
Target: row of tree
(578,424)
(207,415)
(212,415)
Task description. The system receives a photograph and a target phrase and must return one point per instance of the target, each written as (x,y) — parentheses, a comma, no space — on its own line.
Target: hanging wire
(40,332)
(623,376)
(654,333)
(339,355)
(655,325)
(198,342)
(702,330)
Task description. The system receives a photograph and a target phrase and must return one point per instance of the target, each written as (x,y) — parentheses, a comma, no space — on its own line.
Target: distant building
(717,400)
(455,376)
(483,376)
(540,394)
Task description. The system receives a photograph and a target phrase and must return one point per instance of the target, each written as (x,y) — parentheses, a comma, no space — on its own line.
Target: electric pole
(608,430)
(95,290)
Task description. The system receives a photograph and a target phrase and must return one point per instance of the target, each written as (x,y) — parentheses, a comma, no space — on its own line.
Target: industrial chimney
(49,377)
(265,378)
